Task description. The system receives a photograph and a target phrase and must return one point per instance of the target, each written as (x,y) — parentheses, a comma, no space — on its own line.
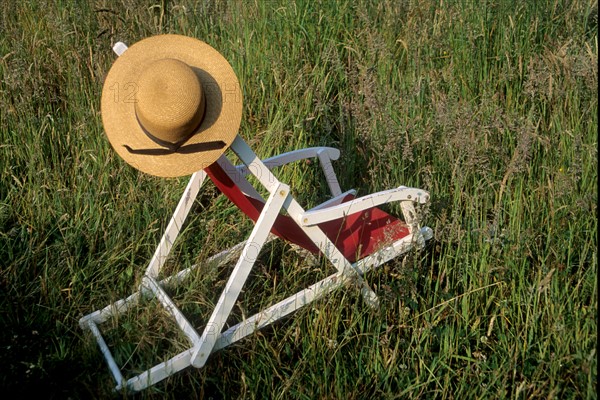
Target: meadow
(491,106)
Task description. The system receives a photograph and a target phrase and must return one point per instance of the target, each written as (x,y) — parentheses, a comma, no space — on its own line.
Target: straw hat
(171,105)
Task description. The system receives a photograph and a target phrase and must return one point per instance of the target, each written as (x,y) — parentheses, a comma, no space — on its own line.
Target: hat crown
(163,140)
(170,101)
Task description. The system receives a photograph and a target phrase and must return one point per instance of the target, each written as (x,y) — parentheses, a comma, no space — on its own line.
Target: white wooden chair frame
(213,337)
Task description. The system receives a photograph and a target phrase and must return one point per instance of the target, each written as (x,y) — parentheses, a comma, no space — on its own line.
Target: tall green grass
(491,106)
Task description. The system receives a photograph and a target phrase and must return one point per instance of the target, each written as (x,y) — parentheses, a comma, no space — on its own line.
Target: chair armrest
(325,155)
(402,193)
(334,201)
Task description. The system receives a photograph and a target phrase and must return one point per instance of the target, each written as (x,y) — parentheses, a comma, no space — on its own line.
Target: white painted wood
(324,154)
(212,338)
(112,365)
(217,260)
(239,274)
(334,201)
(333,254)
(160,371)
(239,178)
(410,215)
(267,179)
(330,176)
(172,309)
(315,217)
(254,165)
(268,316)
(119,48)
(280,310)
(176,223)
(293,156)
(116,308)
(121,306)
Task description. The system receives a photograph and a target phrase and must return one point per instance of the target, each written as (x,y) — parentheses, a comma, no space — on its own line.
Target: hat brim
(222,115)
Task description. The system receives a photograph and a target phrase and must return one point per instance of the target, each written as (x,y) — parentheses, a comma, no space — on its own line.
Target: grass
(491,106)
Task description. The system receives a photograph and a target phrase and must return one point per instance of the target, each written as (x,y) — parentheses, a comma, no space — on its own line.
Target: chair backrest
(356,235)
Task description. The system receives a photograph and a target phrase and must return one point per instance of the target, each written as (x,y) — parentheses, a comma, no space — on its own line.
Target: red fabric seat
(356,236)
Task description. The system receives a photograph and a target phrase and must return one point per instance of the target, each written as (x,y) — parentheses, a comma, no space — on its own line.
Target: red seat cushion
(356,236)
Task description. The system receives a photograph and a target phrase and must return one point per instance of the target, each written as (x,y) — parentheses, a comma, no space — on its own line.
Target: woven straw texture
(149,90)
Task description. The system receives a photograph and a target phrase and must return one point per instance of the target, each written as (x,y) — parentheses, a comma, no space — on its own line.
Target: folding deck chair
(351,233)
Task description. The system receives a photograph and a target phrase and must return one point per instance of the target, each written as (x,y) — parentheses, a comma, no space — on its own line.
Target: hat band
(169,145)
(187,149)
(164,143)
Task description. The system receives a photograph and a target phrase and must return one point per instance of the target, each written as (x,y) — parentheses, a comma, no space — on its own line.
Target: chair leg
(268,180)
(174,227)
(279,310)
(239,275)
(334,255)
(343,265)
(166,368)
